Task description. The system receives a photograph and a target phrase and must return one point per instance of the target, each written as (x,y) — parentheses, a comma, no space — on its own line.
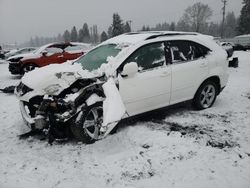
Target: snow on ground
(176,147)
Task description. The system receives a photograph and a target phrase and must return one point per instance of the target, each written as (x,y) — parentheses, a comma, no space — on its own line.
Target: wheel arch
(214,79)
(24,63)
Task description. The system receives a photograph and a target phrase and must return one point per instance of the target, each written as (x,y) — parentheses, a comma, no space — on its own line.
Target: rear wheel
(206,95)
(88,124)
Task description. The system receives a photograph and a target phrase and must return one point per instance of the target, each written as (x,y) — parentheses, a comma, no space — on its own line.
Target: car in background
(122,77)
(19,51)
(228,46)
(54,53)
(239,47)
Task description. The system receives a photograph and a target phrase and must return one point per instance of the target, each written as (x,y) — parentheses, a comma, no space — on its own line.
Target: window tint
(149,56)
(182,51)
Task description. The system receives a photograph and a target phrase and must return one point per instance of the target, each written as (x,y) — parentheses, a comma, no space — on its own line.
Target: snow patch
(94,98)
(113,107)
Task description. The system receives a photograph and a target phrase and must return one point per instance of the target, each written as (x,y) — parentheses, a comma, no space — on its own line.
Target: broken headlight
(52,89)
(22,89)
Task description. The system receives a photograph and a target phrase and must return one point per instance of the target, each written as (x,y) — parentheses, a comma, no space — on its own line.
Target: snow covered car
(233,60)
(228,47)
(122,77)
(45,55)
(19,51)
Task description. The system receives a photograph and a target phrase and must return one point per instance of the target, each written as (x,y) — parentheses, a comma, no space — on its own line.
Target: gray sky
(21,19)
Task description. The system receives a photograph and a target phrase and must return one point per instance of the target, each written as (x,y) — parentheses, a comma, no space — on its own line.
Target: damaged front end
(88,110)
(54,114)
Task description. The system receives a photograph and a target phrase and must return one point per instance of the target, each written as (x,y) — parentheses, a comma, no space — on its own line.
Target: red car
(45,55)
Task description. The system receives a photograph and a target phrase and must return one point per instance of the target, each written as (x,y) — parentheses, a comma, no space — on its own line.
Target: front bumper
(15,68)
(29,121)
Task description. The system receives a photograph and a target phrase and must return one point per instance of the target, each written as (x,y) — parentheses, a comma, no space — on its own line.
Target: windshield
(37,51)
(96,57)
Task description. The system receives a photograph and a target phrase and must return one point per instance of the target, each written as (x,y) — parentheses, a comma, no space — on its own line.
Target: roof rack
(169,34)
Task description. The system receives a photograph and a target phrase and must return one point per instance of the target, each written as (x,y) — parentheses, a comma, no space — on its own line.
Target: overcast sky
(21,19)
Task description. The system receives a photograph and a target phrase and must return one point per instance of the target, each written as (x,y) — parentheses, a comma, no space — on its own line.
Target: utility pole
(130,24)
(223,17)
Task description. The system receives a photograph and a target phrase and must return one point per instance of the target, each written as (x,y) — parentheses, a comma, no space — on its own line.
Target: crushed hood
(54,78)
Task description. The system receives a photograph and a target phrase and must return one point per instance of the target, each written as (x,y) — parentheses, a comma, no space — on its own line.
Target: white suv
(124,76)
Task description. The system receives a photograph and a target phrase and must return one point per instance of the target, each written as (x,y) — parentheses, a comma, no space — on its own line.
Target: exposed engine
(52,114)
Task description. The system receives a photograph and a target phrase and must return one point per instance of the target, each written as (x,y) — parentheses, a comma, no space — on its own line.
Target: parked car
(122,77)
(228,47)
(45,55)
(3,52)
(19,51)
(239,47)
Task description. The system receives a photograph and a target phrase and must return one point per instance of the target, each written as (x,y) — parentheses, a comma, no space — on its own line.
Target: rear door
(189,69)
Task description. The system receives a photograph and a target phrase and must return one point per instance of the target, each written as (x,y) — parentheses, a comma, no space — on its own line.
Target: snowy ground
(183,148)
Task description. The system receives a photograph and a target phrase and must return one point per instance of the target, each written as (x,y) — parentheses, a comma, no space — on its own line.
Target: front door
(148,89)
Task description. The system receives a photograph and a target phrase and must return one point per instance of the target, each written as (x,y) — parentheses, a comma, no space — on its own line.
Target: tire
(89,134)
(28,67)
(205,95)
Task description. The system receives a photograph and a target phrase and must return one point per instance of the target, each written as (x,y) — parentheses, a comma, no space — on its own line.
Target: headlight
(14,60)
(52,89)
(22,89)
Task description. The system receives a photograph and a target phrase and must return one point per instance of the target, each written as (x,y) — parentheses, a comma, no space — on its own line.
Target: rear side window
(183,51)
(149,56)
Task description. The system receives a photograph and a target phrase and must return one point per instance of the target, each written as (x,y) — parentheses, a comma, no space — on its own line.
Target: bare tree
(197,15)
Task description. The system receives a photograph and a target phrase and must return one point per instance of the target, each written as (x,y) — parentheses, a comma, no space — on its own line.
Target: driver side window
(53,50)
(149,56)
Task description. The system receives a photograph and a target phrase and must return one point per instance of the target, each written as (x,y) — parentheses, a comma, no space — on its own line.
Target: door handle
(60,56)
(165,74)
(202,65)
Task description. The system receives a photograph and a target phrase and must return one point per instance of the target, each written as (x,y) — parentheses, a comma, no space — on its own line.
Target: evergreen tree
(66,36)
(117,25)
(146,28)
(104,36)
(244,21)
(110,32)
(183,25)
(80,35)
(214,29)
(172,26)
(127,28)
(73,35)
(86,34)
(59,38)
(95,35)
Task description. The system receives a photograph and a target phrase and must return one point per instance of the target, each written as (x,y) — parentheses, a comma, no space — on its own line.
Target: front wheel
(206,95)
(28,67)
(88,123)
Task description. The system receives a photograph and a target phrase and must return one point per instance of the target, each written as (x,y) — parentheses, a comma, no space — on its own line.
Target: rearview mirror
(130,69)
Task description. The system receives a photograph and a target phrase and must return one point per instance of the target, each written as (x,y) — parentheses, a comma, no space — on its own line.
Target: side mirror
(130,69)
(44,52)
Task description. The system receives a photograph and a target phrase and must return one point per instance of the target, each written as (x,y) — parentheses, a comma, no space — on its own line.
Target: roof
(243,36)
(135,37)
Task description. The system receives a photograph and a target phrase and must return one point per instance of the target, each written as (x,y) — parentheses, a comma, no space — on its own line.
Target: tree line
(196,18)
(86,34)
